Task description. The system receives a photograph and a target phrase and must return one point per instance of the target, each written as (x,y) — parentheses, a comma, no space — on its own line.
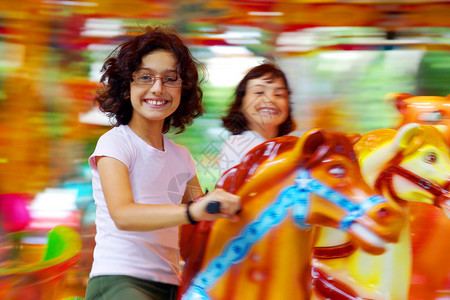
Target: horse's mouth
(445,205)
(374,243)
(443,200)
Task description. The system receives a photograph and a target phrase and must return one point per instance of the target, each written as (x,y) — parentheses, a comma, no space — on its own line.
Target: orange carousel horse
(411,164)
(428,223)
(424,110)
(286,185)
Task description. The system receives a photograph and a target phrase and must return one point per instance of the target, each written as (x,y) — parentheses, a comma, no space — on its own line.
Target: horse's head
(320,177)
(411,164)
(424,110)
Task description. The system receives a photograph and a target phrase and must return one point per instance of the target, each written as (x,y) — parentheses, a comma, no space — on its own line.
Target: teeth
(268,110)
(156,102)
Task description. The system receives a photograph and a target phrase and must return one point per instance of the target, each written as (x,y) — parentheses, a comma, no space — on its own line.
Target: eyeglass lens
(172,80)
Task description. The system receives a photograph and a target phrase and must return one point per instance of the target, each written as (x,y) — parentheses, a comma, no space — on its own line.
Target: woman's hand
(229,205)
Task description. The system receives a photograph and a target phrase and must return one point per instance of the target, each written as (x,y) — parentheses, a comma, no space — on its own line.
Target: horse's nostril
(383,213)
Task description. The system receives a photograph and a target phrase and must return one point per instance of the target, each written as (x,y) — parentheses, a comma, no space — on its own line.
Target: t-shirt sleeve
(190,163)
(112,145)
(192,167)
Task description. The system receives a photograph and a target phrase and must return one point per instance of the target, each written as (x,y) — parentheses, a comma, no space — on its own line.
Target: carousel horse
(424,110)
(286,185)
(428,223)
(411,164)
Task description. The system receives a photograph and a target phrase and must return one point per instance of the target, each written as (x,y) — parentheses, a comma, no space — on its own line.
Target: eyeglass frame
(178,80)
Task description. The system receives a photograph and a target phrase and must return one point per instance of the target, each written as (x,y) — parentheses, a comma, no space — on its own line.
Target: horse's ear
(310,142)
(353,137)
(398,99)
(404,137)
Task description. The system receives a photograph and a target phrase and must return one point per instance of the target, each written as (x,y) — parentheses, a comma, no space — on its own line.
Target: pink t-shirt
(157,177)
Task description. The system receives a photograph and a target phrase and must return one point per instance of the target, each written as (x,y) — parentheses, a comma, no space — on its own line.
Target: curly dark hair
(235,120)
(114,98)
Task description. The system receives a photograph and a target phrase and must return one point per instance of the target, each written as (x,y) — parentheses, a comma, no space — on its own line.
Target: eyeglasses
(149,79)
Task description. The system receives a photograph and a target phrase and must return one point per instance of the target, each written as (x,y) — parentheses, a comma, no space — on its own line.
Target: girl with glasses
(143,183)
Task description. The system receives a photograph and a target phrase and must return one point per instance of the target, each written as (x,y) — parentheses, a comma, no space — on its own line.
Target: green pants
(121,287)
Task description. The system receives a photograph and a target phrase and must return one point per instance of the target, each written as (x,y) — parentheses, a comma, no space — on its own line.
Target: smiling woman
(261,111)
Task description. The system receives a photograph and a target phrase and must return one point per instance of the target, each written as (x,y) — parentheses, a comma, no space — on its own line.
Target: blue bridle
(296,196)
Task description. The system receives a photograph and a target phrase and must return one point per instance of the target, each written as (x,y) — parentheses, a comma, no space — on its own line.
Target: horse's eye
(431,117)
(430,158)
(337,171)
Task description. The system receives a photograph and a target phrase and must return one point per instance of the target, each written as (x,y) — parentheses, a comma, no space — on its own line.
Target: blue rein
(296,196)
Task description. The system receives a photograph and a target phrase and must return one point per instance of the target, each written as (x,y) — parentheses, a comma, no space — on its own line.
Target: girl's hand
(229,205)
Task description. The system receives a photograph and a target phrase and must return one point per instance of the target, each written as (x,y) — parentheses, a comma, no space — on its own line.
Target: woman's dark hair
(114,98)
(235,120)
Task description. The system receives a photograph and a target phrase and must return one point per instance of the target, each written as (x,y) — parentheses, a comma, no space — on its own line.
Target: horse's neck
(274,254)
(253,203)
(375,162)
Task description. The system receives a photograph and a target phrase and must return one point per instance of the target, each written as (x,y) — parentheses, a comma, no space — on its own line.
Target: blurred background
(341,58)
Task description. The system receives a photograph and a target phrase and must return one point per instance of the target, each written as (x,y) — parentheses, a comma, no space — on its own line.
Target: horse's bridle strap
(309,185)
(386,177)
(332,252)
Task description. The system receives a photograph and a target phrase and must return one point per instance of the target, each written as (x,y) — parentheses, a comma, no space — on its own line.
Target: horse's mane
(235,177)
(316,148)
(427,134)
(332,143)
(372,141)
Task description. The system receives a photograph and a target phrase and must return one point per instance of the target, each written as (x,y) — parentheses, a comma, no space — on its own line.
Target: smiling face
(153,103)
(265,104)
